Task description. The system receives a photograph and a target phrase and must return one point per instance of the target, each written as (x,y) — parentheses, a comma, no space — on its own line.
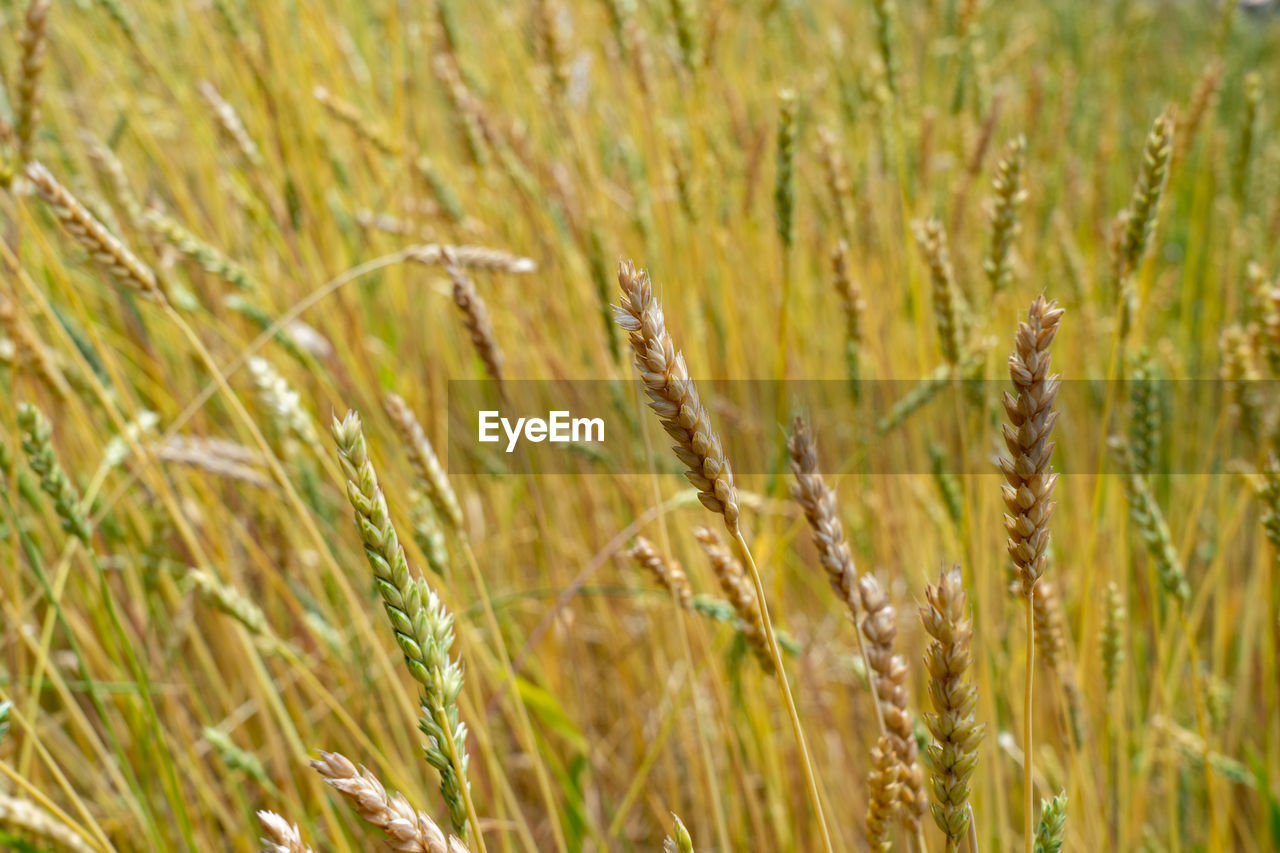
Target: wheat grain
(1111,642)
(475,316)
(231,124)
(948,307)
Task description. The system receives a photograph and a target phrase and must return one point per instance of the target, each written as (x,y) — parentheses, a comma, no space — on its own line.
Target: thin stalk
(780,674)
(1029,815)
(473,820)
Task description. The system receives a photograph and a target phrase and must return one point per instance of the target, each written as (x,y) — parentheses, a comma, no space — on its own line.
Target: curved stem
(1029,818)
(806,761)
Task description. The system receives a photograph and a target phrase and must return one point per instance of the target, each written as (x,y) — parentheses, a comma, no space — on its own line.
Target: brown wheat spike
(475,317)
(426,465)
(1029,492)
(32,41)
(850,294)
(93,235)
(947,310)
(880,628)
(673,397)
(280,836)
(733,580)
(956,736)
(407,830)
(1051,645)
(819,504)
(667,572)
(884,784)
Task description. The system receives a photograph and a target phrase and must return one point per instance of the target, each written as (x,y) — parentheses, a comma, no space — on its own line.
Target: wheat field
(934,346)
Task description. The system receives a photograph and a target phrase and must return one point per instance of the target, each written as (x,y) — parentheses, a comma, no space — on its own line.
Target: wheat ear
(280,836)
(426,465)
(667,572)
(884,783)
(423,626)
(733,580)
(32,42)
(818,502)
(1028,493)
(673,397)
(889,671)
(93,235)
(29,818)
(407,829)
(474,316)
(956,736)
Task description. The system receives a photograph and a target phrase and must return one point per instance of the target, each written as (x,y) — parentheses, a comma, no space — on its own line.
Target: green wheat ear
(37,444)
(679,840)
(1053,820)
